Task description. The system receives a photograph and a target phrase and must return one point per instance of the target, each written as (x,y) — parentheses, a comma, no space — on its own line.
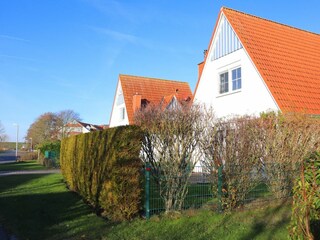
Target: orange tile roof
(287,58)
(152,89)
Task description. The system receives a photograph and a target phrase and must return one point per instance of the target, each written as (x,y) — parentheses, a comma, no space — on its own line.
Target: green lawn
(41,207)
(267,223)
(18,166)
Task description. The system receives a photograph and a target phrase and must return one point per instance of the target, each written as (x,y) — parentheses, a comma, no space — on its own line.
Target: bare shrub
(29,156)
(252,150)
(234,144)
(170,147)
(289,138)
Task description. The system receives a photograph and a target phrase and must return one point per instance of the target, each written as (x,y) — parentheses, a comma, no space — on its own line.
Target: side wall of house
(252,97)
(119,116)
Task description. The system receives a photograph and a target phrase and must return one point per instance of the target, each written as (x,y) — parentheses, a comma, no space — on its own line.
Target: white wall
(254,96)
(118,105)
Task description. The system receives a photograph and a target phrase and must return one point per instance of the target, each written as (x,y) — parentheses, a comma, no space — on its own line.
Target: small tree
(1,132)
(64,117)
(50,126)
(170,146)
(3,136)
(44,129)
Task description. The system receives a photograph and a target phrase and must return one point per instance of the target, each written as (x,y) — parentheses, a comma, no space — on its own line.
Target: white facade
(247,94)
(119,116)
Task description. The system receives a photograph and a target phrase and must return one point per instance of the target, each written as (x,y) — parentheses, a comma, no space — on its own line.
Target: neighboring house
(134,92)
(76,127)
(254,65)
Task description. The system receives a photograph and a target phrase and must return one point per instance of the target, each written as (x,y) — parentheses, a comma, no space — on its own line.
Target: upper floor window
(236,78)
(234,84)
(224,82)
(122,113)
(120,99)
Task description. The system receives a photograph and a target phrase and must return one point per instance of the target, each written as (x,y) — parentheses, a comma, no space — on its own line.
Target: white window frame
(222,85)
(229,69)
(237,79)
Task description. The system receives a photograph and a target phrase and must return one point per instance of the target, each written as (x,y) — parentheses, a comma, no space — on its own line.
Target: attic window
(122,113)
(120,99)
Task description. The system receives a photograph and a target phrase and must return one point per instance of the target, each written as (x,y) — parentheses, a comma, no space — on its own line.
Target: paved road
(24,172)
(8,156)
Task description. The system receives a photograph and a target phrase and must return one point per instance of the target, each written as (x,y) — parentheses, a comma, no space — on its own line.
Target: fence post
(147,190)
(220,188)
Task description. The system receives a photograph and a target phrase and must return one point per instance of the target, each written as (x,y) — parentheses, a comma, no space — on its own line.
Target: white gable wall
(252,98)
(118,117)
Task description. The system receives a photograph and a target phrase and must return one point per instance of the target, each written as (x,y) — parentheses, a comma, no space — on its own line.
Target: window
(120,99)
(122,113)
(224,82)
(235,82)
(236,79)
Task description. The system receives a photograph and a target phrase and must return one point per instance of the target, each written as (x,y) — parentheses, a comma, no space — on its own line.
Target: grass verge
(266,223)
(20,166)
(40,207)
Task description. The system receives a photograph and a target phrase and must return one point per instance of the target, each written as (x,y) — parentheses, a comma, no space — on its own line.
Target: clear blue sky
(67,54)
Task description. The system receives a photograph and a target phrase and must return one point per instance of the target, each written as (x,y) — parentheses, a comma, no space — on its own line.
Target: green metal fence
(225,188)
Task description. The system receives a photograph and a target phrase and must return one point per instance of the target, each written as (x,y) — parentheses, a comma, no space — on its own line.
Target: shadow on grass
(23,165)
(267,221)
(13,181)
(48,212)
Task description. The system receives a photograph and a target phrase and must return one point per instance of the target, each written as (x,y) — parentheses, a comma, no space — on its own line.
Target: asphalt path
(8,173)
(8,156)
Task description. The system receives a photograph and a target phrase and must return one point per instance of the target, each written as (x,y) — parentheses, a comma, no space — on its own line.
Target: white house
(134,92)
(76,127)
(254,65)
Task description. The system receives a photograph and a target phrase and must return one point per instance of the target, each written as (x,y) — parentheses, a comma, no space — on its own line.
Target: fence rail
(226,188)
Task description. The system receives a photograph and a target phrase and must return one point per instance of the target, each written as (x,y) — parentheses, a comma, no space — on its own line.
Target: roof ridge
(272,21)
(159,79)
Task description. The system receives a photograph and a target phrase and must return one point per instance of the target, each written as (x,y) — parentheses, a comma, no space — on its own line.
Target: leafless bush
(28,156)
(171,148)
(289,138)
(252,150)
(235,144)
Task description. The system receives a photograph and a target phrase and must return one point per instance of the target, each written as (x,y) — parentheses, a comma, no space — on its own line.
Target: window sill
(229,93)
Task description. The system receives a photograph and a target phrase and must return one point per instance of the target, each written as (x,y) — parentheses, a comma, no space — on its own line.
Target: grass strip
(41,207)
(21,166)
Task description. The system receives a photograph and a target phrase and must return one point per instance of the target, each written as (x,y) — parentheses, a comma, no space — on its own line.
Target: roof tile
(287,58)
(152,89)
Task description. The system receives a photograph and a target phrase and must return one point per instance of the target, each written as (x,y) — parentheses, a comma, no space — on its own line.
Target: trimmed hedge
(105,169)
